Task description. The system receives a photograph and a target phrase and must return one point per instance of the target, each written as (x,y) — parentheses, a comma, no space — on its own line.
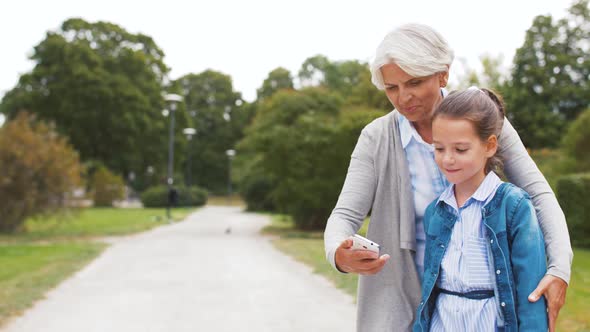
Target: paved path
(191,276)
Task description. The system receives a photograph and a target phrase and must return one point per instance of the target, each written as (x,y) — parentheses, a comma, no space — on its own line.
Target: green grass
(308,247)
(92,222)
(50,249)
(574,316)
(29,270)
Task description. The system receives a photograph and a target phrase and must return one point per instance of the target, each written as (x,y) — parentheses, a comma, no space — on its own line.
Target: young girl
(484,249)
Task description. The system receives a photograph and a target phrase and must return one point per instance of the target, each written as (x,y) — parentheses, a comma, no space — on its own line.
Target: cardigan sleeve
(356,197)
(521,170)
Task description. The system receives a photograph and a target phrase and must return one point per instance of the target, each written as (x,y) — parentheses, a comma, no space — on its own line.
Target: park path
(192,276)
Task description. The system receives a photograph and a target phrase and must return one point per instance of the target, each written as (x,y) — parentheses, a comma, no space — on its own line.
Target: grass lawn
(29,270)
(49,250)
(92,222)
(308,247)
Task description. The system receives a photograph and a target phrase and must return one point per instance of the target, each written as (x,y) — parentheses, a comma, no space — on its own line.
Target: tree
(289,134)
(549,85)
(313,71)
(101,86)
(490,76)
(219,115)
(351,79)
(295,154)
(279,78)
(39,168)
(365,94)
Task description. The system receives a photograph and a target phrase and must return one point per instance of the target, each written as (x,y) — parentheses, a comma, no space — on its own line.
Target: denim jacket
(517,255)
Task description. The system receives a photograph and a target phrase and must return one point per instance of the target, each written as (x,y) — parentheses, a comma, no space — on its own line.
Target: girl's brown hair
(482,107)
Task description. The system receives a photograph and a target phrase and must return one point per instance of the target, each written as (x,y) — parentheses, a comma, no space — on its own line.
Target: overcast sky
(247,39)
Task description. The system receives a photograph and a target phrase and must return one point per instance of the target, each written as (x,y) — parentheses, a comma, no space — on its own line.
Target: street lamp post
(189,132)
(172,100)
(230,155)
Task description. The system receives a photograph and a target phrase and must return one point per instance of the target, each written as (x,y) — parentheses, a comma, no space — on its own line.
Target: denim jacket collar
(449,217)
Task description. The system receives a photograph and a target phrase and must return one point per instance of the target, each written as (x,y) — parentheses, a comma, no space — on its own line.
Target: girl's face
(414,97)
(459,152)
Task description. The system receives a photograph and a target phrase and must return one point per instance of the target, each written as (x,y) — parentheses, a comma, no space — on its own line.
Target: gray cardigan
(378,180)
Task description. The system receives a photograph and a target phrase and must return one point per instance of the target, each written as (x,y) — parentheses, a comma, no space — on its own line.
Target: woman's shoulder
(381,124)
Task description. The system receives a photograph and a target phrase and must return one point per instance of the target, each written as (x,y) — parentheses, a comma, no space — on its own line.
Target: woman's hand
(554,290)
(363,262)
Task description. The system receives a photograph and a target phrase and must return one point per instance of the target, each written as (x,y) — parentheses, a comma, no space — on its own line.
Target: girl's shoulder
(513,194)
(508,196)
(511,199)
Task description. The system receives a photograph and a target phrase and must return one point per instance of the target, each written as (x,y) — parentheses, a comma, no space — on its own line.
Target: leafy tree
(490,76)
(351,79)
(101,86)
(219,115)
(299,147)
(365,94)
(279,78)
(549,85)
(313,71)
(39,168)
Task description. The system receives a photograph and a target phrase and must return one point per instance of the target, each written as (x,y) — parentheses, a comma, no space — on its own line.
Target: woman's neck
(424,127)
(424,130)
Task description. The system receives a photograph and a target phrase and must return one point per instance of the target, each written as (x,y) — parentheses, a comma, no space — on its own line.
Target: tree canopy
(102,87)
(549,83)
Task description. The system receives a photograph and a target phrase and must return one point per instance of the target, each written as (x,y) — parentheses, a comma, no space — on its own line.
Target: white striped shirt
(428,182)
(465,266)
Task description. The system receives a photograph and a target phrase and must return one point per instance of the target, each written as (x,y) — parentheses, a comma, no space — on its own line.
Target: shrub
(256,189)
(254,184)
(575,142)
(158,196)
(107,187)
(573,192)
(39,167)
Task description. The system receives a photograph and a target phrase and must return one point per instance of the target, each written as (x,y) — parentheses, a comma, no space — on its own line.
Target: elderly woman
(393,174)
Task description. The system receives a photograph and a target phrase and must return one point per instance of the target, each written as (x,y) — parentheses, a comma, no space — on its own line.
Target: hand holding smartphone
(361,243)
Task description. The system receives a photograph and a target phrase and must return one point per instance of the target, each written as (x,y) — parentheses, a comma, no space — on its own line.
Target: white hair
(417,49)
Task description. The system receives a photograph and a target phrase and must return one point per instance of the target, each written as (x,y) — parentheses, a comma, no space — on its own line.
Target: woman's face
(414,97)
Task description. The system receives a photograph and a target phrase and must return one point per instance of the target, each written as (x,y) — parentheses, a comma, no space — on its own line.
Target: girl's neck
(467,188)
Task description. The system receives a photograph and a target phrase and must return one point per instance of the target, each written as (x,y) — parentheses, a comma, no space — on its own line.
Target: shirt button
(442,246)
(492,241)
(497,271)
(503,304)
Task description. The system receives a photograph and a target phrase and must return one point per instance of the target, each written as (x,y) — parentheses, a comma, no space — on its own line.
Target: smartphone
(361,243)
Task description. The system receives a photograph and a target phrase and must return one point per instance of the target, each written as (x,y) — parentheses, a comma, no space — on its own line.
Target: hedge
(573,192)
(158,196)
